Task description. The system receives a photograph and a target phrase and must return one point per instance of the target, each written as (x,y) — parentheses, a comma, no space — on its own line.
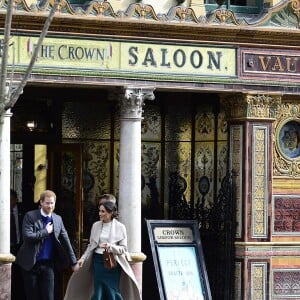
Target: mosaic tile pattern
(236,165)
(258,281)
(286,214)
(259,182)
(286,284)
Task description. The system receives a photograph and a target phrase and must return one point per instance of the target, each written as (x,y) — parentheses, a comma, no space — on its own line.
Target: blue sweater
(47,249)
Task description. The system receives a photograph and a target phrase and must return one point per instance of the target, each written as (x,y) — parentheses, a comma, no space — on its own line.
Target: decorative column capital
(132,102)
(251,106)
(6,114)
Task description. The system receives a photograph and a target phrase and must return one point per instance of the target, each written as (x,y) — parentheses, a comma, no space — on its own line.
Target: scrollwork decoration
(251,106)
(295,4)
(133,101)
(286,141)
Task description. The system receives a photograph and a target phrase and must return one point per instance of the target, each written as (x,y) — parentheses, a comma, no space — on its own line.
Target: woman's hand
(105,245)
(80,262)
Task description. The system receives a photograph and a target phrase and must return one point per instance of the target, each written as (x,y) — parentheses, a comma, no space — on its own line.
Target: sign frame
(178,259)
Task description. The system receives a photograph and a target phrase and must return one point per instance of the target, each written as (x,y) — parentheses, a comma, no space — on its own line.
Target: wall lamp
(31,125)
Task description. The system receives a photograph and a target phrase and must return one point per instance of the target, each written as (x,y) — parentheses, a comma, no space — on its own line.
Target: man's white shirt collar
(44,215)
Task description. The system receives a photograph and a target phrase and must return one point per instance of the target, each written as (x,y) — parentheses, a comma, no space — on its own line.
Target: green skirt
(106,282)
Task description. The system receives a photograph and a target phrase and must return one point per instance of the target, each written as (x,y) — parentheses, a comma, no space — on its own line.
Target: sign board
(178,260)
(270,64)
(123,57)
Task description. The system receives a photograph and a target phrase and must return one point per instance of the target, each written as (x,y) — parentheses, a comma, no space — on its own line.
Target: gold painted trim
(255,244)
(7,258)
(280,126)
(284,166)
(250,106)
(145,12)
(100,18)
(137,257)
(286,184)
(277,262)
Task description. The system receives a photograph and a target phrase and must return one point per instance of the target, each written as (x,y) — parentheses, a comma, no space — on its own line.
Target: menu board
(178,260)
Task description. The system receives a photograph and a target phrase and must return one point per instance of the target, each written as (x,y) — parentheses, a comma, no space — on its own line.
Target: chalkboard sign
(178,260)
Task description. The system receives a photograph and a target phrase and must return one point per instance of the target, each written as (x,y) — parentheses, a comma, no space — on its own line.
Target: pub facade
(185,110)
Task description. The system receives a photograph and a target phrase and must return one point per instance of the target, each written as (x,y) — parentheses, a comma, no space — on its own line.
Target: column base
(137,257)
(6,258)
(137,267)
(5,275)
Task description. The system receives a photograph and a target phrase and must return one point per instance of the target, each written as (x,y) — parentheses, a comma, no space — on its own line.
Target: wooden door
(65,179)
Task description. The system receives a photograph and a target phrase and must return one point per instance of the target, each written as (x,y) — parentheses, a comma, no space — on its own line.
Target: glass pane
(243,2)
(91,120)
(16,163)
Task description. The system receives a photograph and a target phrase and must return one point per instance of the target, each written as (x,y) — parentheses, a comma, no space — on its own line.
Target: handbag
(109,260)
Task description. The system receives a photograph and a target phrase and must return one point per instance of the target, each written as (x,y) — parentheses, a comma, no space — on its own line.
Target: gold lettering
(263,64)
(277,65)
(290,64)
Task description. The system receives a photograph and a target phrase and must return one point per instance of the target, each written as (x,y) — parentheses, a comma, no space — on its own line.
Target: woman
(93,281)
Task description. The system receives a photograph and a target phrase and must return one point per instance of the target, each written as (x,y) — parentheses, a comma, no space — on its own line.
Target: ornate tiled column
(130,171)
(250,119)
(5,257)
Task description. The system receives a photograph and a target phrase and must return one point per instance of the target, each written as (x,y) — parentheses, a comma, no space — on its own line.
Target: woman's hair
(106,197)
(110,207)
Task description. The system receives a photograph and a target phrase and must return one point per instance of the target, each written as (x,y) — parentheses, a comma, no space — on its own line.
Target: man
(16,217)
(15,223)
(46,248)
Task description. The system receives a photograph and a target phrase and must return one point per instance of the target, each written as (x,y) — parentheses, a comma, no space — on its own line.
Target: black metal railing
(217,226)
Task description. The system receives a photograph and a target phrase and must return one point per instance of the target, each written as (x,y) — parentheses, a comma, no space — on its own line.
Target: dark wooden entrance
(65,178)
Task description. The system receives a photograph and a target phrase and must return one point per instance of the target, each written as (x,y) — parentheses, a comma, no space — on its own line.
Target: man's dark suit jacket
(14,248)
(33,236)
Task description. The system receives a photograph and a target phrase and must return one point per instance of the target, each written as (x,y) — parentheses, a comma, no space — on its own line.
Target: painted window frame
(237,8)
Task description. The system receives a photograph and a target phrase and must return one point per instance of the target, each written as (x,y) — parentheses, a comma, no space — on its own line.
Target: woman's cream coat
(81,284)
